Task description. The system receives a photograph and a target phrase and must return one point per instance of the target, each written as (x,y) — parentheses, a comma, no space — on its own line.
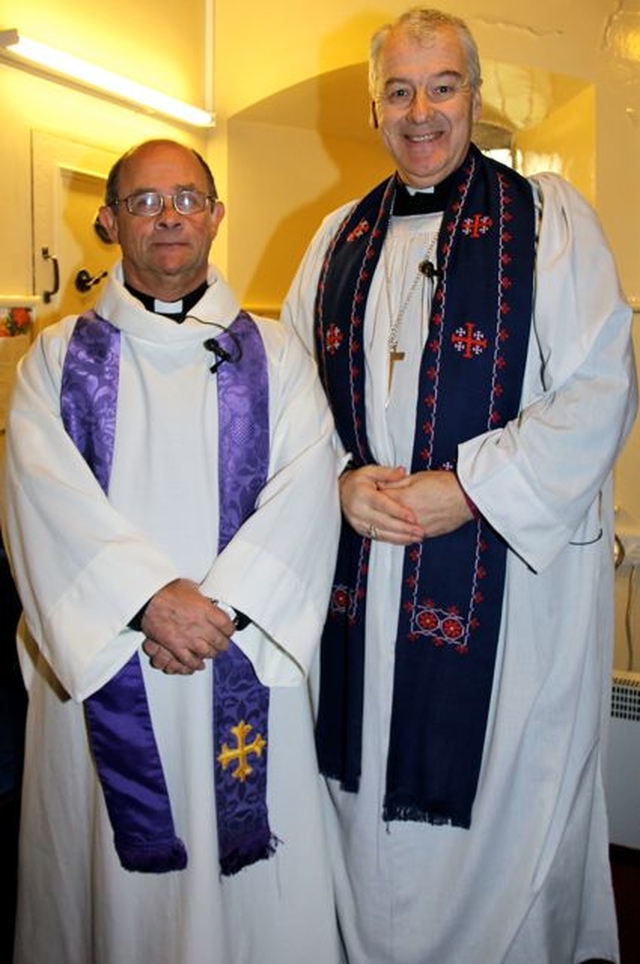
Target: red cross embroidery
(477,225)
(469,340)
(333,339)
(361,228)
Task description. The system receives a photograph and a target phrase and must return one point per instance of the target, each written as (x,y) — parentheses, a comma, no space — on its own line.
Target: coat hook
(84,281)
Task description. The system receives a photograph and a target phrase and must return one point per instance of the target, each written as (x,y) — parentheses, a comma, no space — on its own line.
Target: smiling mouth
(423,138)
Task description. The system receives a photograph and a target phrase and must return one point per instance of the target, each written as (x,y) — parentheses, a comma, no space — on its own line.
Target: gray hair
(421,23)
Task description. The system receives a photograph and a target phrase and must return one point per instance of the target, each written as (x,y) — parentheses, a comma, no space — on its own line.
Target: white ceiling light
(62,65)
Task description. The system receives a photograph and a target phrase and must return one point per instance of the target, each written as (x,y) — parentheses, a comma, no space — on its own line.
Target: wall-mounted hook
(84,281)
(48,295)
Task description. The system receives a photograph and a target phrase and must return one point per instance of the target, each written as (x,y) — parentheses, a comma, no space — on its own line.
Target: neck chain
(426,269)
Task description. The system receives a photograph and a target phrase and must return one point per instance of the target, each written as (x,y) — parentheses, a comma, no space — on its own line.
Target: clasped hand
(402,508)
(183,628)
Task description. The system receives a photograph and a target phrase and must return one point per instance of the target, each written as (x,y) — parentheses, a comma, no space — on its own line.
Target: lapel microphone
(428,269)
(222,355)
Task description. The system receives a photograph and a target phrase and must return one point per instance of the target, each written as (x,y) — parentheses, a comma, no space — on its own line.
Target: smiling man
(475,346)
(172,520)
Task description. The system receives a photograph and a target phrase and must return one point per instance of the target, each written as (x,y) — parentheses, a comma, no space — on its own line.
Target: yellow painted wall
(263,48)
(159,44)
(565,143)
(285,181)
(170,59)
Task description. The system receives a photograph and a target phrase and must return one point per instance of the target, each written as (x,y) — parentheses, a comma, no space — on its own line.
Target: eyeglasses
(404,95)
(147,204)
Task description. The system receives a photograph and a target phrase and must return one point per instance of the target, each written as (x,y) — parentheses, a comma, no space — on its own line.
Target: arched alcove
(298,153)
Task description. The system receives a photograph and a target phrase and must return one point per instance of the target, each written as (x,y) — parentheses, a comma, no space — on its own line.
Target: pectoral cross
(394,356)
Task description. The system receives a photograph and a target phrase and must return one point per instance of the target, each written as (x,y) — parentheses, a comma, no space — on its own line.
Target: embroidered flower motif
(440,625)
(427,620)
(340,599)
(452,628)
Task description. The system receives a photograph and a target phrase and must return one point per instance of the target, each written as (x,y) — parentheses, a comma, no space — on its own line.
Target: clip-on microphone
(428,269)
(222,355)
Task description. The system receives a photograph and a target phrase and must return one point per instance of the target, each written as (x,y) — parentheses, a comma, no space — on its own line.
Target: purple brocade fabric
(241,702)
(118,716)
(89,392)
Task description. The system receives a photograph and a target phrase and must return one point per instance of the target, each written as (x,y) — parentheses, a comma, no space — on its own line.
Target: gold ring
(373,532)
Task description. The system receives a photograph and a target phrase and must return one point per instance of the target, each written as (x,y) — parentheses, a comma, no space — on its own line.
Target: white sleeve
(537,480)
(298,306)
(64,538)
(278,567)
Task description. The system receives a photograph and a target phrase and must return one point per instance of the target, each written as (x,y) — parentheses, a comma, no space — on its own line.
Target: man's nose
(169,215)
(421,105)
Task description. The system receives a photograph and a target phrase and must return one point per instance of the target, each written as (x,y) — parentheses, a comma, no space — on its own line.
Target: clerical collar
(422,201)
(176,310)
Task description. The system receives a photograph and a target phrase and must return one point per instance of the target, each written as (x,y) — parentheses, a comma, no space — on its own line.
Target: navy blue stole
(118,715)
(470,383)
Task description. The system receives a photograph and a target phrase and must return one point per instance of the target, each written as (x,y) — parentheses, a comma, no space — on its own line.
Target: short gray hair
(421,23)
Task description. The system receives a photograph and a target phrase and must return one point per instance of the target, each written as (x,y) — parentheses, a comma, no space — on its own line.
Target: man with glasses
(172,521)
(475,347)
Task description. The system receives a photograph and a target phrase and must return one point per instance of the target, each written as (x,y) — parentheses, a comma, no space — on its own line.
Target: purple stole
(118,715)
(452,587)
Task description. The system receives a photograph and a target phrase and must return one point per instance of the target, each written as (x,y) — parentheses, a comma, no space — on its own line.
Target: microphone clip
(428,269)
(221,354)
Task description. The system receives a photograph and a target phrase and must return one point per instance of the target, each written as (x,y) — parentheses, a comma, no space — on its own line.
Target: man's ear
(106,224)
(477,105)
(373,116)
(217,215)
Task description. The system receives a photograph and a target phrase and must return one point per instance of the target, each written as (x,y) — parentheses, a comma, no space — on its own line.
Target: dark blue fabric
(470,382)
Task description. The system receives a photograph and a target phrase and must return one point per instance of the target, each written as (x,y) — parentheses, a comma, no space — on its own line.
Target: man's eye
(185,199)
(399,93)
(143,201)
(444,91)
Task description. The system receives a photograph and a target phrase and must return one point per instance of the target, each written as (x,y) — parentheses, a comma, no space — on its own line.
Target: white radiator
(622,761)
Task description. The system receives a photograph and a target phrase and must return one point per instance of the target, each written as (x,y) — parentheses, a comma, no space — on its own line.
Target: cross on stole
(469,340)
(240,753)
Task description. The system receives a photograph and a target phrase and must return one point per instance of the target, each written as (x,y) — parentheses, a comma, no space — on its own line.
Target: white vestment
(84,564)
(529,883)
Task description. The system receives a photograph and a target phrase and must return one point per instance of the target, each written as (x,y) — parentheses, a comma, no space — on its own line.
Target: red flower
(17,321)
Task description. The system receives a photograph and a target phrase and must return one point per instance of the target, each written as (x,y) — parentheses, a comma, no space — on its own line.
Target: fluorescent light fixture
(88,75)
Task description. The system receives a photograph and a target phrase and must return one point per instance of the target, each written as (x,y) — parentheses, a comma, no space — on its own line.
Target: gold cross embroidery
(240,753)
